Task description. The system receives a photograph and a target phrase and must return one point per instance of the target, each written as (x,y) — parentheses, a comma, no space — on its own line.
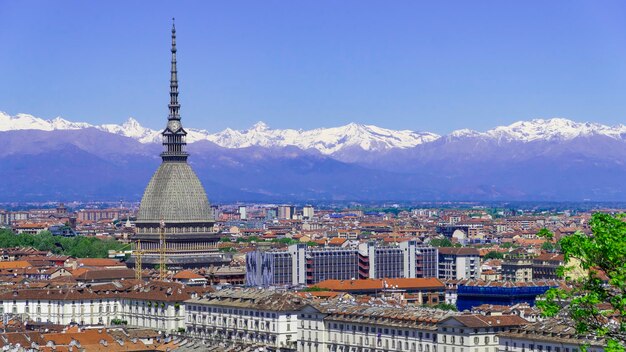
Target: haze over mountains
(554,159)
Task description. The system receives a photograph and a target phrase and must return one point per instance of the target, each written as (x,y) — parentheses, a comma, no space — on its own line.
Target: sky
(431,66)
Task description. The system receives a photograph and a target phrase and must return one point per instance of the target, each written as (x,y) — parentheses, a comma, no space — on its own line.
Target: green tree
(494,255)
(548,246)
(314,289)
(286,240)
(79,246)
(596,306)
(446,306)
(440,242)
(507,245)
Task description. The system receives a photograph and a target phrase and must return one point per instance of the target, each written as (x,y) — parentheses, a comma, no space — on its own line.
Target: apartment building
(333,326)
(155,305)
(458,263)
(474,332)
(337,327)
(245,318)
(553,335)
(309,265)
(99,214)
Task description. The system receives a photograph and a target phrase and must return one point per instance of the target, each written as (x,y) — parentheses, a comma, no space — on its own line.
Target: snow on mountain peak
(30,122)
(551,129)
(329,140)
(133,129)
(260,126)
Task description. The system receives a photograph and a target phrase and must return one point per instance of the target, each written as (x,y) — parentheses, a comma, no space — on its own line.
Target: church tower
(175,198)
(174,136)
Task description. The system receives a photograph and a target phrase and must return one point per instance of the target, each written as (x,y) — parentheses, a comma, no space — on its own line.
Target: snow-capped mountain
(555,159)
(330,140)
(30,122)
(545,129)
(325,140)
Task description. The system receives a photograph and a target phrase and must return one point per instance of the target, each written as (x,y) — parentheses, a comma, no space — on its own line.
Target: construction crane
(138,253)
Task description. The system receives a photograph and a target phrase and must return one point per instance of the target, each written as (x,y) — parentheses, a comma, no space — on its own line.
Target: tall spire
(174,105)
(174,135)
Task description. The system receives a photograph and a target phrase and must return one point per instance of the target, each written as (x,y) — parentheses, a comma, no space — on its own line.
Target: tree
(78,246)
(446,306)
(597,301)
(548,246)
(507,245)
(440,242)
(314,289)
(494,255)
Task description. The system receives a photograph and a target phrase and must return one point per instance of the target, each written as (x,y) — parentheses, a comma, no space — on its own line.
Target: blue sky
(421,65)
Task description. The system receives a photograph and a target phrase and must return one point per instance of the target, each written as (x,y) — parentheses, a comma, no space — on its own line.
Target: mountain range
(543,159)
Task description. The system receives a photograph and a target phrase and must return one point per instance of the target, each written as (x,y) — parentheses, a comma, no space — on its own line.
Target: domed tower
(175,202)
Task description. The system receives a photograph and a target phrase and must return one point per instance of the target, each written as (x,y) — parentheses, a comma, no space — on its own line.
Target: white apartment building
(245,318)
(553,335)
(474,332)
(348,327)
(308,212)
(155,305)
(458,263)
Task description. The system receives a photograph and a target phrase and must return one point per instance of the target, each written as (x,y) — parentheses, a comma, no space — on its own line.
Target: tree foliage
(314,289)
(494,255)
(440,242)
(78,246)
(597,302)
(446,306)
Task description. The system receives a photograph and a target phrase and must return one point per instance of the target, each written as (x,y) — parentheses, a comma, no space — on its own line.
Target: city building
(304,265)
(99,214)
(473,293)
(269,268)
(243,214)
(517,266)
(545,266)
(308,212)
(246,318)
(458,263)
(338,326)
(155,305)
(474,332)
(175,202)
(552,335)
(286,212)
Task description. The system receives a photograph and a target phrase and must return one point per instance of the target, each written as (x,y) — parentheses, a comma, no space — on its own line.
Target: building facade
(246,318)
(157,305)
(459,263)
(309,265)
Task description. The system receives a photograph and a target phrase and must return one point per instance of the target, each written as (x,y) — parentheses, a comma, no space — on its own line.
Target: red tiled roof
(187,274)
(379,284)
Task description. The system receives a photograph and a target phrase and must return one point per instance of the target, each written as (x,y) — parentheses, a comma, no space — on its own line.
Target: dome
(175,195)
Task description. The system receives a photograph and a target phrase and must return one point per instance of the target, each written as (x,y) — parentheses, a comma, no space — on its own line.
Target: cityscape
(344,239)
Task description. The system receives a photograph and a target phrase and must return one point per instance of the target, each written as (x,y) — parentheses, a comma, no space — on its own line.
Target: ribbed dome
(175,195)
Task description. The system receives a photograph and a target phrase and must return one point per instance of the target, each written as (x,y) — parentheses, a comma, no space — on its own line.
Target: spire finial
(174,134)
(174,105)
